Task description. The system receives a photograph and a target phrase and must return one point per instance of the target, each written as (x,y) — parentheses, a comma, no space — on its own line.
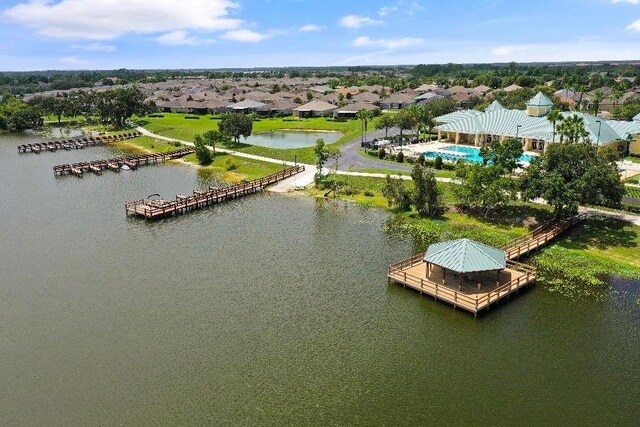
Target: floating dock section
(154,209)
(75,143)
(117,163)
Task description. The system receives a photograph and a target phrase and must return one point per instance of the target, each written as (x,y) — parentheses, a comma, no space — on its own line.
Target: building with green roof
(532,127)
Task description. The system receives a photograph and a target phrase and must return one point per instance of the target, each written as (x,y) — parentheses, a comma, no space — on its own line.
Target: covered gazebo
(466,258)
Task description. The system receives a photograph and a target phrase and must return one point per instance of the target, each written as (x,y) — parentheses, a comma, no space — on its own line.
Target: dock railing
(398,271)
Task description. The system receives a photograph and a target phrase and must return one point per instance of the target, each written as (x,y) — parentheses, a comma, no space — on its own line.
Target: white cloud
(626,1)
(178,38)
(73,61)
(106,20)
(95,47)
(356,21)
(385,10)
(247,36)
(508,50)
(389,44)
(310,28)
(634,26)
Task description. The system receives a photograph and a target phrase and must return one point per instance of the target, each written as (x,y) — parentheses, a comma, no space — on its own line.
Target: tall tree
(554,117)
(203,154)
(427,197)
(213,138)
(385,122)
(570,175)
(573,129)
(503,154)
(236,125)
(404,120)
(321,158)
(597,98)
(364,116)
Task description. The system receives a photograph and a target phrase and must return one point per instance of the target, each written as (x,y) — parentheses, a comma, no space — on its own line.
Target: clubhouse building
(532,127)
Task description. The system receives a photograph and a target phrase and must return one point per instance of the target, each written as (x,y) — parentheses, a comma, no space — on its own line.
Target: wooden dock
(75,143)
(465,291)
(539,237)
(154,209)
(116,164)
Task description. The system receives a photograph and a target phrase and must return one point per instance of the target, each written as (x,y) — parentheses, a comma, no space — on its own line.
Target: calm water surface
(291,139)
(269,310)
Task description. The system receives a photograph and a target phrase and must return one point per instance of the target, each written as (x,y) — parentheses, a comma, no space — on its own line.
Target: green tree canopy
(236,125)
(503,154)
(203,154)
(569,175)
(427,197)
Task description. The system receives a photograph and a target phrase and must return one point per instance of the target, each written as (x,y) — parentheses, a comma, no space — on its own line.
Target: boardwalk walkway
(75,143)
(154,209)
(465,291)
(117,163)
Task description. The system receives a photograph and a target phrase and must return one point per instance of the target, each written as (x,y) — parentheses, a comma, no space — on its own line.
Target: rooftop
(465,256)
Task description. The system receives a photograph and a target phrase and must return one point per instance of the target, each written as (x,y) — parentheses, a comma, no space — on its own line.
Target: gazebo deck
(464,294)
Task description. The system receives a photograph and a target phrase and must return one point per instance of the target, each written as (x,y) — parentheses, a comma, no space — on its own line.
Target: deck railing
(442,291)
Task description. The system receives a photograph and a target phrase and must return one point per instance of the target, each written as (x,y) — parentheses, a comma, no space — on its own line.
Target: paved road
(351,159)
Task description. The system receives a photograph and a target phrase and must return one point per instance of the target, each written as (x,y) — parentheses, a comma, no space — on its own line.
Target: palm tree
(597,98)
(364,115)
(554,117)
(574,129)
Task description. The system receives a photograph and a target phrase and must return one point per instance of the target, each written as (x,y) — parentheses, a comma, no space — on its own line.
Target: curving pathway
(349,161)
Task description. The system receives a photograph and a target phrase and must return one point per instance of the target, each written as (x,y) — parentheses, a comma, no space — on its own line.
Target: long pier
(117,163)
(75,143)
(465,291)
(154,209)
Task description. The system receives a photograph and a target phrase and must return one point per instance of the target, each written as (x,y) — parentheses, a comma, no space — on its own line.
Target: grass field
(226,167)
(176,126)
(632,191)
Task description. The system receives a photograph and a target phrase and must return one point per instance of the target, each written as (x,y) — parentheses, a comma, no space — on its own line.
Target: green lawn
(226,167)
(176,126)
(634,159)
(438,173)
(632,191)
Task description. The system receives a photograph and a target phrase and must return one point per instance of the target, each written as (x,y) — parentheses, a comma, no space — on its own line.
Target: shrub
(411,160)
(381,153)
(177,144)
(230,164)
(437,163)
(400,157)
(192,117)
(368,193)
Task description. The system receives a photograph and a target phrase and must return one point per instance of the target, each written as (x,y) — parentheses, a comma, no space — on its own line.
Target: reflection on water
(267,310)
(291,139)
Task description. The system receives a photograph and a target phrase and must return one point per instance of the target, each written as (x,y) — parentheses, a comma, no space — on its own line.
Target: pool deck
(440,147)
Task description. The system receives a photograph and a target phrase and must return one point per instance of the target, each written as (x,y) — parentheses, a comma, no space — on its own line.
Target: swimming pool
(469,154)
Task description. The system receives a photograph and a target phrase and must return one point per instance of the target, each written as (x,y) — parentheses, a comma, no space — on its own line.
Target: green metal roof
(495,105)
(465,256)
(540,100)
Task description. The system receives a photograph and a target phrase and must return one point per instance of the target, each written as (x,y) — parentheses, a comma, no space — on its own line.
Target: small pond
(287,139)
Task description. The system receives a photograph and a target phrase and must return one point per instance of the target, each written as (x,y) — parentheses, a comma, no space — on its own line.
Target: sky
(110,34)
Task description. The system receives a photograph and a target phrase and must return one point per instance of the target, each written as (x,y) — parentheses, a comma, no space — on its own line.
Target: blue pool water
(470,154)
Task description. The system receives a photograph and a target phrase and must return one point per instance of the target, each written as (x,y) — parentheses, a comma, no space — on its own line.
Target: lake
(270,310)
(290,139)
